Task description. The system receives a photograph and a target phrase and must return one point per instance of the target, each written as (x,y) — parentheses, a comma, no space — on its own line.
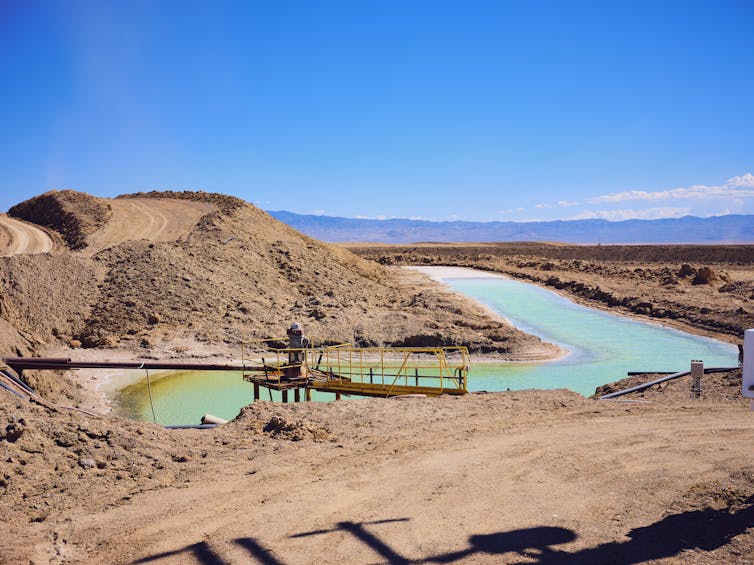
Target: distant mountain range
(689,229)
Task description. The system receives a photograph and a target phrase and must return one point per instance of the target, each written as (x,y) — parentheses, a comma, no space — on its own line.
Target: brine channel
(602,348)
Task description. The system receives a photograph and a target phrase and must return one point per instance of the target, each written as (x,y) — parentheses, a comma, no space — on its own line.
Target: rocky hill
(209,268)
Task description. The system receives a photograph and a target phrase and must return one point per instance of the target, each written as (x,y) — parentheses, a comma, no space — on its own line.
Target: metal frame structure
(364,371)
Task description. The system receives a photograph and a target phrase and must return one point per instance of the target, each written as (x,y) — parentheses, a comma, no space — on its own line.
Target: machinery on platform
(341,368)
(298,363)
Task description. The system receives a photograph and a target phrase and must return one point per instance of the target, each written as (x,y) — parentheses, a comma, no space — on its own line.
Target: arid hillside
(194,268)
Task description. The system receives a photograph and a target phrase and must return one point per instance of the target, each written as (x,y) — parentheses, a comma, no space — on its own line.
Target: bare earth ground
(524,477)
(147,218)
(18,237)
(157,269)
(518,477)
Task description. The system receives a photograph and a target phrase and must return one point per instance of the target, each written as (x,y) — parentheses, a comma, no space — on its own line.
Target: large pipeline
(18,364)
(9,389)
(662,380)
(191,427)
(17,381)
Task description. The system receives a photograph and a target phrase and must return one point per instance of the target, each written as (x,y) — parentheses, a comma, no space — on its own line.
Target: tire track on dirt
(21,238)
(145,218)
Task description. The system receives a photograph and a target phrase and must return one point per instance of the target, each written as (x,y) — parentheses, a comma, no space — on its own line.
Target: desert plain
(508,477)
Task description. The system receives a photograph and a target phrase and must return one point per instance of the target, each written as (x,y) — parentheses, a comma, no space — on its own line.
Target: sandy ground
(147,218)
(524,477)
(19,238)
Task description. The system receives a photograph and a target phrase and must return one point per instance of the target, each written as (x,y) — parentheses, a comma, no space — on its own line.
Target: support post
(697,371)
(285,396)
(256,392)
(337,396)
(747,361)
(416,375)
(296,395)
(308,394)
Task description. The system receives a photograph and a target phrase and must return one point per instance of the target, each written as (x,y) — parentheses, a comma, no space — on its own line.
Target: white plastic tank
(748,373)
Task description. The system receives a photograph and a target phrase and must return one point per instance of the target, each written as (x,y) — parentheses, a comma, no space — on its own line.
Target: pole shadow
(201,551)
(358,530)
(204,554)
(705,530)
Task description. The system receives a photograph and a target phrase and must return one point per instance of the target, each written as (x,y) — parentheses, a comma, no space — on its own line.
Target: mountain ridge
(731,228)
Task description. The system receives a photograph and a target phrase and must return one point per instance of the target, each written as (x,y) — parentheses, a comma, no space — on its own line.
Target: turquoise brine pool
(602,348)
(183,397)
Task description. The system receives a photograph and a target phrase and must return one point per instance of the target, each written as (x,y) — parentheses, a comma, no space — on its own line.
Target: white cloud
(736,187)
(567,203)
(510,211)
(619,215)
(543,206)
(318,212)
(746,181)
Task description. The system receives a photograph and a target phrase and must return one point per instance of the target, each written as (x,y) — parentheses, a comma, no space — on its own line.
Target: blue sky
(477,110)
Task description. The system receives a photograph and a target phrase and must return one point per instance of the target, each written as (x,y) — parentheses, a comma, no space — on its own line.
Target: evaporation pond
(183,397)
(602,347)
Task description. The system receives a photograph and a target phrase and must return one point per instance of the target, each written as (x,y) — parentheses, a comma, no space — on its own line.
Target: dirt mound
(240,274)
(72,214)
(485,477)
(212,269)
(21,238)
(46,298)
(719,387)
(256,418)
(155,220)
(224,202)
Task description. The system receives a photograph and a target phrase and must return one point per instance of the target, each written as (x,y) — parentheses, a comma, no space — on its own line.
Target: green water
(183,397)
(602,348)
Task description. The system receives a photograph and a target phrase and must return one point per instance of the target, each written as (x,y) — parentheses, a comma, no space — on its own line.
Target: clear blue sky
(479,110)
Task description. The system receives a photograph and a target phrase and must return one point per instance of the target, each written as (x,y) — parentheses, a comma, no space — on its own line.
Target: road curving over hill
(22,238)
(153,219)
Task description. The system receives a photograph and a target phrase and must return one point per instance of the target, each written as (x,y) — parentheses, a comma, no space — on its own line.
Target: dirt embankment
(201,270)
(536,476)
(241,275)
(74,215)
(716,387)
(705,289)
(22,238)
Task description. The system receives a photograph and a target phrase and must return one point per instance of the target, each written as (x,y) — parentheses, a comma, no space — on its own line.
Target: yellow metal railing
(386,368)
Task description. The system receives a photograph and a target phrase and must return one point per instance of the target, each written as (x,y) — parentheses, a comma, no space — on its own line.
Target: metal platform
(361,371)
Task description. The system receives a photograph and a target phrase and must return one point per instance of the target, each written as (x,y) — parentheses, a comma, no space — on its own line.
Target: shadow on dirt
(706,530)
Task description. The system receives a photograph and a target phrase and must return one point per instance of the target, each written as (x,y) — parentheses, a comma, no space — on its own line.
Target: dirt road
(525,477)
(147,218)
(22,238)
